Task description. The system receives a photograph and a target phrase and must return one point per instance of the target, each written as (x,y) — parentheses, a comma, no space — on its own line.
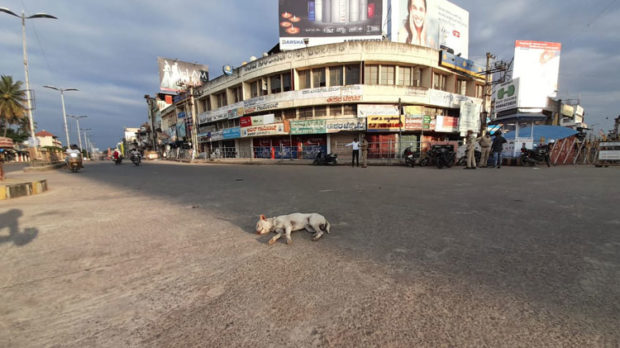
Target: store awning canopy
(521,117)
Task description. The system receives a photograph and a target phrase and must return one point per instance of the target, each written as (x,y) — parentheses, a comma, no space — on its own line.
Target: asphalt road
(165,255)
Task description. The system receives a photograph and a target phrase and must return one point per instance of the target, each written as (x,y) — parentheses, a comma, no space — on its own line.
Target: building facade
(292,104)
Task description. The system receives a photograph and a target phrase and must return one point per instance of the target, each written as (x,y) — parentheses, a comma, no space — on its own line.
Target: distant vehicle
(538,155)
(323,159)
(440,156)
(75,162)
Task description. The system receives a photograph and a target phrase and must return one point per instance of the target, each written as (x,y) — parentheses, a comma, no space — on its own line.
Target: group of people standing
(487,146)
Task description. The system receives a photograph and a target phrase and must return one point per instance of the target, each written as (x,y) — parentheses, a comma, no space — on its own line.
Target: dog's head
(263,225)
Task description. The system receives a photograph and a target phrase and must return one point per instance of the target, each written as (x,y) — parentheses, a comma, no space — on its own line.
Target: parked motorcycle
(538,155)
(463,160)
(323,159)
(411,157)
(75,162)
(440,156)
(136,158)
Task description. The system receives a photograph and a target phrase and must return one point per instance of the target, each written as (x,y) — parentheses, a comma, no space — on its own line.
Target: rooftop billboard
(437,24)
(173,71)
(537,65)
(305,23)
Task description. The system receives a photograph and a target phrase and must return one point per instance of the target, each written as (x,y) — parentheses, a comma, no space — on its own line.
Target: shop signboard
(384,123)
(506,95)
(181,131)
(469,118)
(270,129)
(366,110)
(345,125)
(308,127)
(231,133)
(568,110)
(437,24)
(446,124)
(414,110)
(413,123)
(217,135)
(318,22)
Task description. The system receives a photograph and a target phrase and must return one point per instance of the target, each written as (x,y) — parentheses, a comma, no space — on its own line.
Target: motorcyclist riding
(73,149)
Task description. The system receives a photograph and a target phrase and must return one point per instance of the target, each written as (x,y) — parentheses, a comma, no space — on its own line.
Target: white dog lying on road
(293,222)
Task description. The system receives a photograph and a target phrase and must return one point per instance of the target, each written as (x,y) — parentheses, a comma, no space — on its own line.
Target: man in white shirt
(356,152)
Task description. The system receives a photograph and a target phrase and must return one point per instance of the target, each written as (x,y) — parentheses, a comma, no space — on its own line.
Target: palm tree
(12,99)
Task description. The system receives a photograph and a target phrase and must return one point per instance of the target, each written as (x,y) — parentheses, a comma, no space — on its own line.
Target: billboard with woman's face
(437,24)
(315,22)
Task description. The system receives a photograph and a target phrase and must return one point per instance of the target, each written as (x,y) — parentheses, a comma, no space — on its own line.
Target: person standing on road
(485,142)
(471,150)
(497,147)
(356,152)
(364,152)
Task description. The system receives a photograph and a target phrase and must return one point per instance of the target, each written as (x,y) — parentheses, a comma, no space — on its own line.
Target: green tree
(12,99)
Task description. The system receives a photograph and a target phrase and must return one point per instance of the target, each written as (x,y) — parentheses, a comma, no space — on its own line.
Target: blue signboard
(232,133)
(466,66)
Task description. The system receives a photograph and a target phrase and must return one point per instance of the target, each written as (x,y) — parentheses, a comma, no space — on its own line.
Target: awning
(527,117)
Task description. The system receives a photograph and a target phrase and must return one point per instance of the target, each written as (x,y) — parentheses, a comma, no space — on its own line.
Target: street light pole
(64,113)
(77,121)
(84,130)
(28,97)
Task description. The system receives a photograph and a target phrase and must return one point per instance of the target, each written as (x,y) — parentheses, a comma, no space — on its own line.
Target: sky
(108,50)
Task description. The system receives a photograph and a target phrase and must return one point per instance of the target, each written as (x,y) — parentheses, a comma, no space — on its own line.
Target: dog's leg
(317,236)
(288,231)
(309,229)
(275,238)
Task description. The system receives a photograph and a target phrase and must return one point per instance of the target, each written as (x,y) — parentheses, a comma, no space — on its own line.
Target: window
(404,76)
(350,109)
(387,75)
(237,94)
(335,76)
(289,114)
(318,77)
(264,88)
(276,84)
(304,79)
(320,111)
(305,112)
(439,81)
(207,103)
(286,82)
(254,86)
(461,87)
(371,74)
(221,99)
(479,91)
(335,110)
(352,74)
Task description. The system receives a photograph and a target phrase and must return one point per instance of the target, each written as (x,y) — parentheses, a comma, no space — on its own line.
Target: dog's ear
(262,217)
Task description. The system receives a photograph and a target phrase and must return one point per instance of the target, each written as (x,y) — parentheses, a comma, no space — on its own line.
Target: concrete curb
(44,168)
(14,189)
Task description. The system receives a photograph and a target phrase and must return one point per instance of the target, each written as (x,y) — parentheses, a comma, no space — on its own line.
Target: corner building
(291,104)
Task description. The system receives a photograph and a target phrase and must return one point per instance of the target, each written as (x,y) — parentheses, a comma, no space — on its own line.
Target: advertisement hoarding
(308,127)
(437,24)
(469,118)
(173,71)
(506,95)
(446,124)
(366,110)
(345,125)
(305,23)
(385,123)
(537,65)
(271,129)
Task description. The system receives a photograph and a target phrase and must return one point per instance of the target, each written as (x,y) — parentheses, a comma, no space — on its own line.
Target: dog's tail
(325,227)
